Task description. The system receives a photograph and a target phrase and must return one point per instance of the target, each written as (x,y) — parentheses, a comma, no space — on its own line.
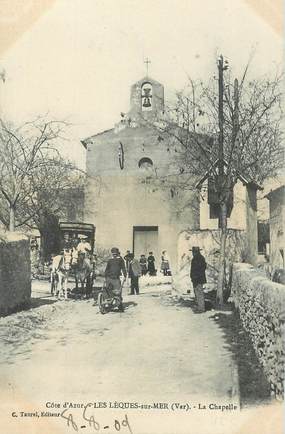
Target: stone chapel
(134,213)
(127,209)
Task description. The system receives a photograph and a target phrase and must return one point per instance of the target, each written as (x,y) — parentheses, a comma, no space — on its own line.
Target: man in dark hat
(114,269)
(198,277)
(127,261)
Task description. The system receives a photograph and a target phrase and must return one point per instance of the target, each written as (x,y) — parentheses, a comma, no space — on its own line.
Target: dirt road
(157,351)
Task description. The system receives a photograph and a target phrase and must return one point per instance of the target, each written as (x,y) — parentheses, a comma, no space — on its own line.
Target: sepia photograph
(142,217)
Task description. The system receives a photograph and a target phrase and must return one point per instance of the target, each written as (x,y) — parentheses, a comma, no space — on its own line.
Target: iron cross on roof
(147,62)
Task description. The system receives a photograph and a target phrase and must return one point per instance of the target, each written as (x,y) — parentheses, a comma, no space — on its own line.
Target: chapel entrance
(145,240)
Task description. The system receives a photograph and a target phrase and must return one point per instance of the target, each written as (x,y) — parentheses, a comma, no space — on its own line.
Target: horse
(83,274)
(61,266)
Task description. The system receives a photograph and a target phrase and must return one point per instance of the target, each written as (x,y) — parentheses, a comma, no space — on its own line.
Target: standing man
(115,267)
(198,277)
(127,260)
(135,273)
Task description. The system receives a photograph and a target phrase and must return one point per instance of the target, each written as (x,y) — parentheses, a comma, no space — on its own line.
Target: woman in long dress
(165,263)
(151,264)
(143,264)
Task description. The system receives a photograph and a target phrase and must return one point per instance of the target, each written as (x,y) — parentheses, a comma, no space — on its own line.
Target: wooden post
(221,188)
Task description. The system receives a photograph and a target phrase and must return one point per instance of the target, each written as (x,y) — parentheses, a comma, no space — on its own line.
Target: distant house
(276,223)
(242,209)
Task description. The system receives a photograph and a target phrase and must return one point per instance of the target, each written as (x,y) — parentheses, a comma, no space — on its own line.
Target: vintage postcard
(141,217)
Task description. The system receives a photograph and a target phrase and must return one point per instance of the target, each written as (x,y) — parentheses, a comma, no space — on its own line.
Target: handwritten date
(92,423)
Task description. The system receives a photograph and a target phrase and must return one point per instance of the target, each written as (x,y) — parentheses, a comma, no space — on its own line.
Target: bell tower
(147,99)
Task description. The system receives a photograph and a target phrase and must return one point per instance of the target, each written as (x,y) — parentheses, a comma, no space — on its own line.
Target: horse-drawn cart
(76,229)
(75,261)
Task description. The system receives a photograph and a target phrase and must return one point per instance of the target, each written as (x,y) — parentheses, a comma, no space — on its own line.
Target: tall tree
(33,175)
(227,130)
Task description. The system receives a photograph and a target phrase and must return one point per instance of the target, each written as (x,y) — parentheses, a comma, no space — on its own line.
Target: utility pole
(194,106)
(236,112)
(3,78)
(221,185)
(220,179)
(221,68)
(221,115)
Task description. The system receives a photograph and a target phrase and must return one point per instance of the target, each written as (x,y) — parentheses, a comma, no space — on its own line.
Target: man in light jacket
(135,273)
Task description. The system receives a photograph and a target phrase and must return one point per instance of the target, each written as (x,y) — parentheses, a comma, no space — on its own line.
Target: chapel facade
(128,209)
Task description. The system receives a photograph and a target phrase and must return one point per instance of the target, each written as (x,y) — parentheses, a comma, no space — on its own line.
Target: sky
(76,59)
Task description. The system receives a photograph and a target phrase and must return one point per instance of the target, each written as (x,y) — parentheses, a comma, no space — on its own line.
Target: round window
(145,163)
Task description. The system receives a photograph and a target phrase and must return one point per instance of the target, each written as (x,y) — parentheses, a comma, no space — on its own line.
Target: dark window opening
(145,163)
(263,236)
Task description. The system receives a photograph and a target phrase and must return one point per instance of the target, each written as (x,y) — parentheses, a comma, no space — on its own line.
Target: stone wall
(15,273)
(209,242)
(261,304)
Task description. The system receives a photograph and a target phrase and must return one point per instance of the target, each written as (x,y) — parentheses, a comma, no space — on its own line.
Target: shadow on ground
(193,306)
(253,386)
(128,304)
(34,302)
(40,301)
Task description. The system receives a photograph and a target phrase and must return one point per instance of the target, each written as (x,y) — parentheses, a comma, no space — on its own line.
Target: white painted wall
(237,219)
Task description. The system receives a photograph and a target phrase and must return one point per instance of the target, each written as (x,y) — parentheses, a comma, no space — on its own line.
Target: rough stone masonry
(15,273)
(261,304)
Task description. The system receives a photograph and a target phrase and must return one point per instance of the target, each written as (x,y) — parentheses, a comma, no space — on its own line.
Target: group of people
(147,264)
(79,244)
(74,252)
(131,267)
(127,267)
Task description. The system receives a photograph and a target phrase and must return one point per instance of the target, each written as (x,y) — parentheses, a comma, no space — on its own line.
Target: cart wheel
(101,303)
